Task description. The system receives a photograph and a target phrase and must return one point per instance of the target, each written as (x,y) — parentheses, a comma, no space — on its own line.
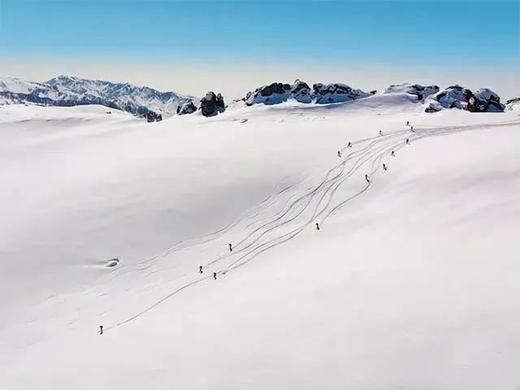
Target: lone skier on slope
(230,247)
(349,144)
(366,178)
(215,275)
(407,123)
(339,153)
(380,133)
(317,226)
(393,153)
(200,268)
(100,329)
(407,141)
(384,166)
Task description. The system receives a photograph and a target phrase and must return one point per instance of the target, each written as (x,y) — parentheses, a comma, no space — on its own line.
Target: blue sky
(233,46)
(383,31)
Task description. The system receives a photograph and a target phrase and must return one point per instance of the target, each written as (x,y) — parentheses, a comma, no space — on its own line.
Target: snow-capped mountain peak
(67,90)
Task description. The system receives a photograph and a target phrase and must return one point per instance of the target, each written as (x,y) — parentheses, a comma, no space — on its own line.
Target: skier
(317,226)
(215,275)
(200,268)
(100,329)
(384,166)
(230,247)
(407,141)
(411,128)
(349,144)
(380,133)
(339,153)
(393,153)
(407,123)
(366,178)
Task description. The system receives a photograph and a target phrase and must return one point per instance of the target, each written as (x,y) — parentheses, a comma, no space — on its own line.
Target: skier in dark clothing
(349,144)
(215,275)
(100,329)
(407,141)
(411,128)
(366,178)
(384,166)
(230,247)
(317,226)
(407,123)
(393,153)
(200,268)
(339,153)
(380,133)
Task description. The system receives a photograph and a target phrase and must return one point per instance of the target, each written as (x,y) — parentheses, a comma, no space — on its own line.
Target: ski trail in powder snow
(315,203)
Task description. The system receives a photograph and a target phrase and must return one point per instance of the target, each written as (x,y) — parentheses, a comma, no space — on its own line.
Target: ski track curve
(298,210)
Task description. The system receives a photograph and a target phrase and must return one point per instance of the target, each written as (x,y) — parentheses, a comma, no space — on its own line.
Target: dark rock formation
(269,94)
(337,92)
(301,92)
(455,96)
(153,117)
(186,107)
(212,104)
(485,100)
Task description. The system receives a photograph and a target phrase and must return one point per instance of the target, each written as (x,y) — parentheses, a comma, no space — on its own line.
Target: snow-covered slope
(73,91)
(409,283)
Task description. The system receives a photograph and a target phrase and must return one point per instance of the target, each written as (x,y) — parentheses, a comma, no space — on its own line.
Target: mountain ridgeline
(153,104)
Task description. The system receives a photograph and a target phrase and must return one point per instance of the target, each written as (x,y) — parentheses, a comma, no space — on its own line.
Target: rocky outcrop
(485,100)
(212,104)
(187,106)
(274,93)
(455,96)
(420,92)
(301,92)
(153,117)
(335,93)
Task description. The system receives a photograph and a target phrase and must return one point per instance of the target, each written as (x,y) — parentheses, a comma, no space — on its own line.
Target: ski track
(257,240)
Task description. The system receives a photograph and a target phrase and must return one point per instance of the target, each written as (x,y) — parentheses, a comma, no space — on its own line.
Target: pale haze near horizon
(234,80)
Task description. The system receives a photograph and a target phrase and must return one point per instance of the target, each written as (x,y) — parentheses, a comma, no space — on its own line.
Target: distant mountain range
(73,91)
(144,101)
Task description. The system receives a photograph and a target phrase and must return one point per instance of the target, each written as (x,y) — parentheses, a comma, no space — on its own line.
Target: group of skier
(367,178)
